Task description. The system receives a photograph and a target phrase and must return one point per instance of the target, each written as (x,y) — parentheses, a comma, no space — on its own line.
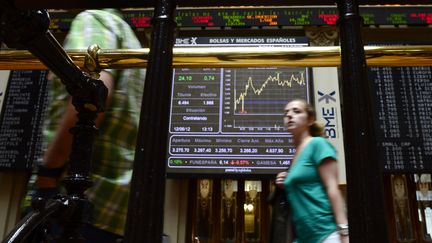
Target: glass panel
(252,214)
(404,232)
(424,204)
(228,210)
(204,211)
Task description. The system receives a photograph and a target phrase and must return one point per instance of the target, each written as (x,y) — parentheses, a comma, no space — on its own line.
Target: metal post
(146,202)
(366,212)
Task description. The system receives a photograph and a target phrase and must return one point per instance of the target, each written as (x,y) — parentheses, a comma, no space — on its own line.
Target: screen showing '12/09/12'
(229,120)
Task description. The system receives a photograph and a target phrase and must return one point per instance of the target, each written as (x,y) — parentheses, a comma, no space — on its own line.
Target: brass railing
(234,57)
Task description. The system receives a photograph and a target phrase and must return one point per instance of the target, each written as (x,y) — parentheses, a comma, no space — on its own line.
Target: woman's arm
(328,171)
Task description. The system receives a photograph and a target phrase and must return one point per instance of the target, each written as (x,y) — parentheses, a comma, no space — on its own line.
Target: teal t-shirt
(313,217)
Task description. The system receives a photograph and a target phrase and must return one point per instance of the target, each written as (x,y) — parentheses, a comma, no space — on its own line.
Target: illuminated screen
(229,120)
(274,16)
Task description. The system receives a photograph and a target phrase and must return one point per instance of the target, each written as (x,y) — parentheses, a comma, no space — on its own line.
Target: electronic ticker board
(275,16)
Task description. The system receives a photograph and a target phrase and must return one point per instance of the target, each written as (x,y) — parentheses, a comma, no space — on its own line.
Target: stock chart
(229,120)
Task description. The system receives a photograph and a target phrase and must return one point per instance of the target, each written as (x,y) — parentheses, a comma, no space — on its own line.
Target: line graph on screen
(259,95)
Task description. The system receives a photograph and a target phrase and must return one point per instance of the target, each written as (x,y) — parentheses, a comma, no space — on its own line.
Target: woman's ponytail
(317,130)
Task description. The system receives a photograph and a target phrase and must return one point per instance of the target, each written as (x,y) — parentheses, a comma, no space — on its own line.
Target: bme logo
(187,41)
(328,113)
(327,97)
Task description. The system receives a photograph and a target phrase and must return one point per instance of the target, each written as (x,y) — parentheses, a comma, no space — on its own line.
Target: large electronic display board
(265,16)
(23,100)
(403,120)
(229,120)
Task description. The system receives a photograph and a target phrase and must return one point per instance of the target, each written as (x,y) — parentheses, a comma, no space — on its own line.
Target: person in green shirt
(311,184)
(114,147)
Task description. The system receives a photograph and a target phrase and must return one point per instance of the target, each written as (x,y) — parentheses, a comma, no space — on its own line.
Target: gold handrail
(328,56)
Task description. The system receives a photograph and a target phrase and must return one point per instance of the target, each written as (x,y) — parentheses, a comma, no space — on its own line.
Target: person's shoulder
(322,141)
(85,13)
(84,16)
(105,14)
(323,148)
(319,140)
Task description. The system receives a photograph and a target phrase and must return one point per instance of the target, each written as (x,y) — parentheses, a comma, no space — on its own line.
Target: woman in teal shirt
(311,185)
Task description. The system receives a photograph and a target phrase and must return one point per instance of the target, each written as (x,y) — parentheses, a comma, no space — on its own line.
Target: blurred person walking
(311,183)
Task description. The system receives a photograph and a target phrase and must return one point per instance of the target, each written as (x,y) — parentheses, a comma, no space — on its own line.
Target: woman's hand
(280,178)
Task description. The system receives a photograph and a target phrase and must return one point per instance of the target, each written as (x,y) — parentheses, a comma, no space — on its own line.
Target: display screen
(403,104)
(23,100)
(229,120)
(275,16)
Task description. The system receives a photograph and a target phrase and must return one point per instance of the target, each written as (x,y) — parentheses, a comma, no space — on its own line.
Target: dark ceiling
(69,4)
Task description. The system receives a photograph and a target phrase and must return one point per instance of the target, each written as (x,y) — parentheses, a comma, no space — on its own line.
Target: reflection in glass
(404,232)
(204,212)
(252,214)
(228,212)
(424,204)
